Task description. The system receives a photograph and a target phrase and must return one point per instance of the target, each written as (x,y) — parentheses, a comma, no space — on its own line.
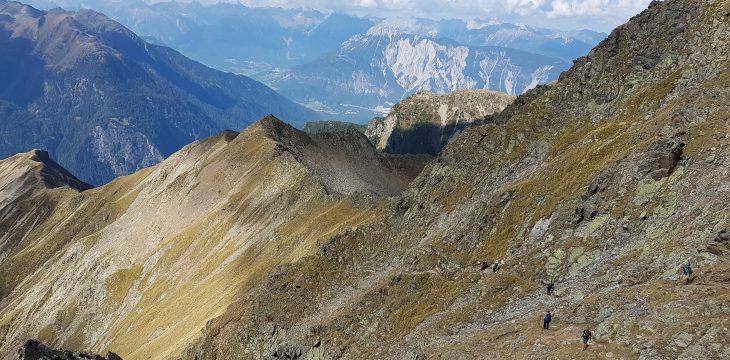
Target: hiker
(687,271)
(485,265)
(546,321)
(586,337)
(550,286)
(495,266)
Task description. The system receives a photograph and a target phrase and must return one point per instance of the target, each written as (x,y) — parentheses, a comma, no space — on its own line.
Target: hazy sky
(601,15)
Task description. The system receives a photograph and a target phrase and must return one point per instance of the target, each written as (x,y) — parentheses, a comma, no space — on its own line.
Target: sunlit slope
(144,262)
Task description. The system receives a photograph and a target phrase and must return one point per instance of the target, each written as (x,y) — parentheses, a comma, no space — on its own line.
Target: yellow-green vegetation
(119,283)
(457,194)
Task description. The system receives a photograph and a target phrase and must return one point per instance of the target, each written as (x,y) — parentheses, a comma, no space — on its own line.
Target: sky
(600,15)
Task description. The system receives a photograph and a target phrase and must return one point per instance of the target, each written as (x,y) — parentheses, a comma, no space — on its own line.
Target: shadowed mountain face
(104,102)
(425,122)
(139,265)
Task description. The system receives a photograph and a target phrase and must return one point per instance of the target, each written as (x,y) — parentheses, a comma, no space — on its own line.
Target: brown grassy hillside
(139,266)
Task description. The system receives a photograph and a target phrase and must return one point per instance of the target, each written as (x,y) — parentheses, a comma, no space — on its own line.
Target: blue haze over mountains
(104,103)
(347,67)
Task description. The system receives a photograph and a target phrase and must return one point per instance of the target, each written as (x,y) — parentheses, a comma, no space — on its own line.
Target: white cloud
(566,8)
(591,14)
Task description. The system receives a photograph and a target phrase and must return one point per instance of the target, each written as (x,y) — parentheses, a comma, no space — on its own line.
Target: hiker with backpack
(687,272)
(586,337)
(546,321)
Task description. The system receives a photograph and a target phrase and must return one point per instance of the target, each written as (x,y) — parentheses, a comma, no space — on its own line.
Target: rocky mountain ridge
(34,350)
(104,102)
(425,122)
(116,267)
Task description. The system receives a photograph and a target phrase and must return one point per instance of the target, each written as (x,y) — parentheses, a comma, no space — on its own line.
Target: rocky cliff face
(567,45)
(604,182)
(140,265)
(105,103)
(425,122)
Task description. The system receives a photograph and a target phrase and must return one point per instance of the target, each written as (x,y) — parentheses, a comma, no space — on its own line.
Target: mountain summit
(425,122)
(104,102)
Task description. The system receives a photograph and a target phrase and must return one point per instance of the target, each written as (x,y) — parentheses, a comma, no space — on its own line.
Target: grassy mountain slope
(140,265)
(606,182)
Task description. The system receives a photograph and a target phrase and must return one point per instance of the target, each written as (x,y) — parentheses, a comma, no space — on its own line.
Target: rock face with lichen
(425,122)
(605,182)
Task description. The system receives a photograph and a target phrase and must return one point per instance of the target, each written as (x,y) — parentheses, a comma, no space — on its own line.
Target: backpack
(687,269)
(587,334)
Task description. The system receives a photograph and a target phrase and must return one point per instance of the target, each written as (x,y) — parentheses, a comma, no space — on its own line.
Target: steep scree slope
(139,266)
(605,181)
(104,102)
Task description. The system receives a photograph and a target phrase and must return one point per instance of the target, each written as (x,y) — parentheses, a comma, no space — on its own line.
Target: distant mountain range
(339,64)
(566,45)
(232,37)
(106,103)
(372,72)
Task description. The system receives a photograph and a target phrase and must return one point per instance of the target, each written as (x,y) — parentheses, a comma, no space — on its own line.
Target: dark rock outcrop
(54,175)
(35,350)
(662,159)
